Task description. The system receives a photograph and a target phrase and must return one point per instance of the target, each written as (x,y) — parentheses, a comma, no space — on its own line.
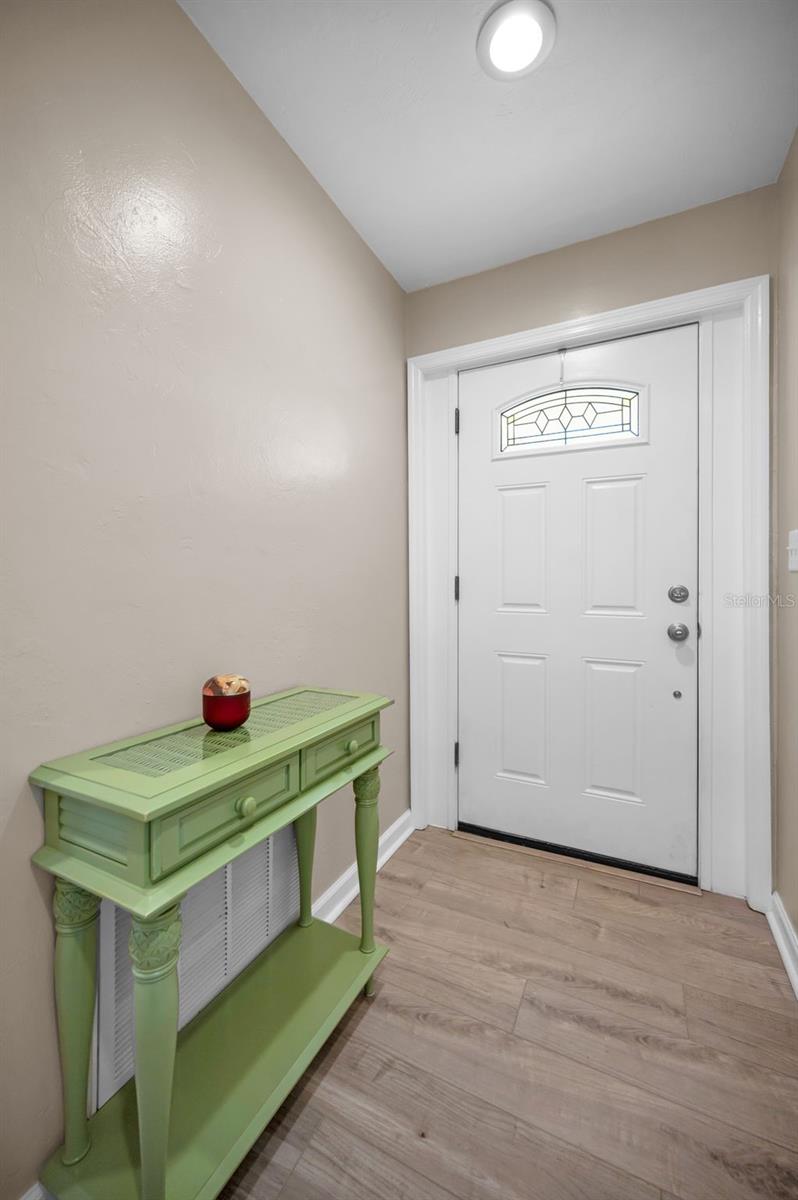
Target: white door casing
(577,712)
(734,680)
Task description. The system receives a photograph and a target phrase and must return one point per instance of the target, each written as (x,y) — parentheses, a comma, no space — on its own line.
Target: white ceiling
(644,108)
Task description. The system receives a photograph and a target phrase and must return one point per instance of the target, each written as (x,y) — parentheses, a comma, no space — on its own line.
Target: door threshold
(577,858)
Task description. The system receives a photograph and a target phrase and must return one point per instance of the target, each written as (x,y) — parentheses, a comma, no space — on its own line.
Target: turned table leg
(305,832)
(154,947)
(75,912)
(367,832)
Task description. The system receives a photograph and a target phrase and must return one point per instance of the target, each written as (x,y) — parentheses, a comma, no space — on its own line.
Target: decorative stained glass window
(569,415)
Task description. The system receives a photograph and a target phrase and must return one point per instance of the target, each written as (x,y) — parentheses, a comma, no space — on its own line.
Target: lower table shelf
(236,1062)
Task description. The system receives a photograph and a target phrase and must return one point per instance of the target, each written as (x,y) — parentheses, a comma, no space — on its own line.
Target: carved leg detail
(154,947)
(367,832)
(75,914)
(305,831)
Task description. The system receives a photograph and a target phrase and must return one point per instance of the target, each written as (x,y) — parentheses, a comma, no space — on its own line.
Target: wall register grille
(228,919)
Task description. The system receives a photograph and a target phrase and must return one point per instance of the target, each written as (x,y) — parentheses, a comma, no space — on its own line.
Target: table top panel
(152,773)
(166,753)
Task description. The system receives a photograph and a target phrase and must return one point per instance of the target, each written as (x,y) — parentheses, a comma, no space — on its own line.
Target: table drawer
(189,832)
(338,751)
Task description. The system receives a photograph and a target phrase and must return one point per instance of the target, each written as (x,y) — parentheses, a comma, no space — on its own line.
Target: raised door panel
(613,729)
(613,542)
(524,718)
(523,545)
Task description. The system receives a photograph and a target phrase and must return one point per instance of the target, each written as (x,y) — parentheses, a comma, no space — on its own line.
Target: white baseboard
(786,939)
(332,903)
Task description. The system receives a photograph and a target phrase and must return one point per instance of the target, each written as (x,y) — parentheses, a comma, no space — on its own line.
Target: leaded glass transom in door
(570,415)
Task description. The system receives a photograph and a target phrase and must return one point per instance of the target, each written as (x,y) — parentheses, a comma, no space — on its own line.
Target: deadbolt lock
(678,593)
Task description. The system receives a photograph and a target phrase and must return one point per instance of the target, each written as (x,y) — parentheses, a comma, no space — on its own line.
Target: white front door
(578,515)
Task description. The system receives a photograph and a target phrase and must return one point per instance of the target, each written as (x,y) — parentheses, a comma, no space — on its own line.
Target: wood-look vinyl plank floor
(542,1032)
(496,935)
(467,849)
(718,932)
(766,1039)
(335,1167)
(483,992)
(458,1140)
(663,953)
(729,906)
(650,998)
(625,875)
(524,877)
(753,1098)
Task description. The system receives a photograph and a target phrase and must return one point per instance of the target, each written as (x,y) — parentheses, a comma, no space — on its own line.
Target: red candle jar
(226,701)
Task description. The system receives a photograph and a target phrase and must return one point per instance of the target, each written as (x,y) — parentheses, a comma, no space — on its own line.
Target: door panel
(613,726)
(523,524)
(613,520)
(578,511)
(524,717)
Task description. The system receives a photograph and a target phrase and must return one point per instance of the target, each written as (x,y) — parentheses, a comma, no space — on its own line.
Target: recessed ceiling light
(515,38)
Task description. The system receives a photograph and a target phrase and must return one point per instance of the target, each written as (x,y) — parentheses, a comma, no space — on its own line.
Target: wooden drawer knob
(352,747)
(246,805)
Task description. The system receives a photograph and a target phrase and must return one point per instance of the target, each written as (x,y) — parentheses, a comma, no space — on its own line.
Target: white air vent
(227,920)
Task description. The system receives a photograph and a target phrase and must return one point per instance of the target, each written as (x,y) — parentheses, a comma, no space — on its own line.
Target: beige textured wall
(204,388)
(786,441)
(716,243)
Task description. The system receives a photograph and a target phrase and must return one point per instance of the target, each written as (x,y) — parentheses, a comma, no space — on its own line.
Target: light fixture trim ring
(540,13)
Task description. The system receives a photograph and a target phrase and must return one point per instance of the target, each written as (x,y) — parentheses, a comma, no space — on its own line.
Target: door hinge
(457,587)
(457,754)
(457,420)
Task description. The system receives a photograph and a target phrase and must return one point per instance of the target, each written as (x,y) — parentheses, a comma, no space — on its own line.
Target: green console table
(141,821)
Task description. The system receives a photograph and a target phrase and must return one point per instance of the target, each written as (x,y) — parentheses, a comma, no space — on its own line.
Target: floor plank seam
(289,1176)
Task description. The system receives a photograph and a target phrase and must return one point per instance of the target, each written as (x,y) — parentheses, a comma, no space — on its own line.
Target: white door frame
(734,798)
